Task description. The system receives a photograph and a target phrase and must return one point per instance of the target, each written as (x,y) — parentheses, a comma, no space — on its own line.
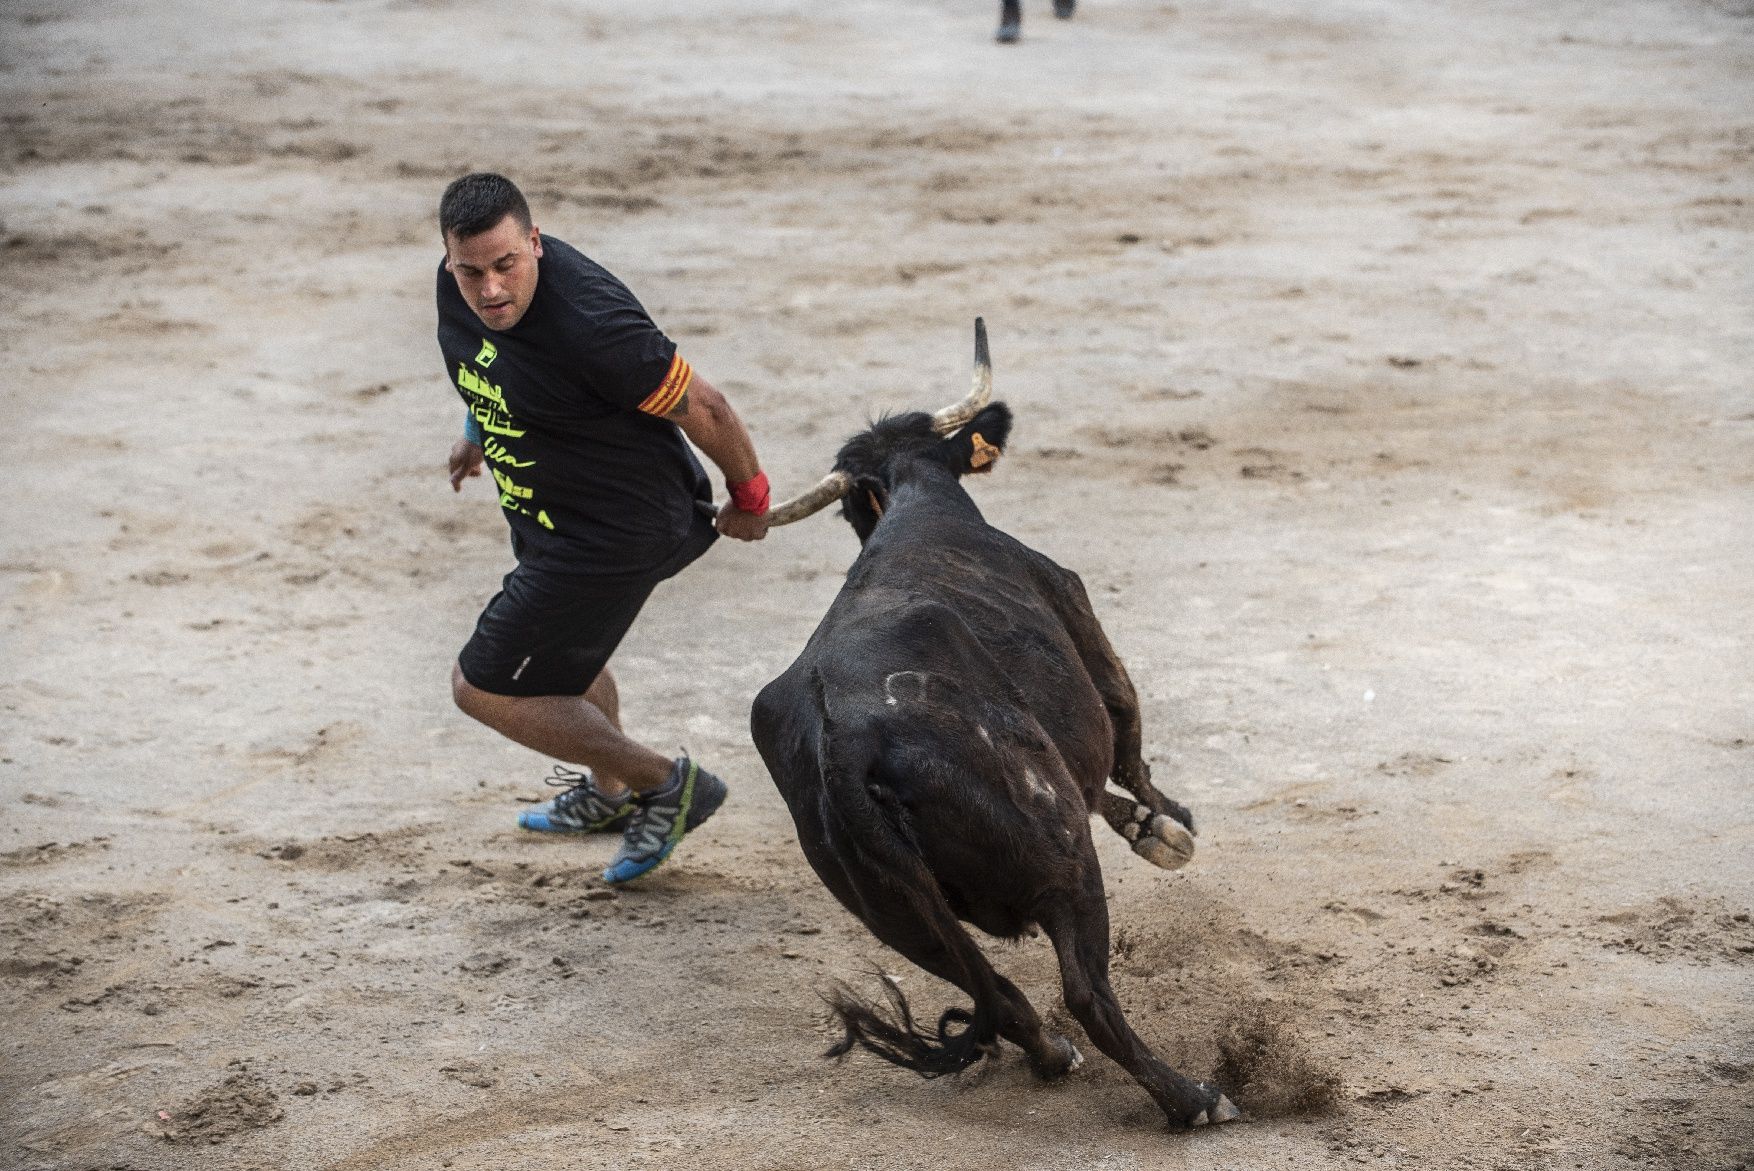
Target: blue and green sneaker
(579,810)
(661,817)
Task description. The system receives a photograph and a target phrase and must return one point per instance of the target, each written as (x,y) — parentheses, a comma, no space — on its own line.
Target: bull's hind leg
(1079,928)
(1050,1054)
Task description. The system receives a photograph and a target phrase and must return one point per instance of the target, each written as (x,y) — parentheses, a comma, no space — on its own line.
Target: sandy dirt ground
(1382,365)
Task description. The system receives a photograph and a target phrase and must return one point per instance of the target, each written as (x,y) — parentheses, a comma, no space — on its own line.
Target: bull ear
(977,447)
(863,505)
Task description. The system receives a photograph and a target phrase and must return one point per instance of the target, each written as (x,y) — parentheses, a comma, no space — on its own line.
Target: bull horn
(827,490)
(953,418)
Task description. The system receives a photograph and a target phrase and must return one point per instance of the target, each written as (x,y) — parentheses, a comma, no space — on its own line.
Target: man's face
(496,270)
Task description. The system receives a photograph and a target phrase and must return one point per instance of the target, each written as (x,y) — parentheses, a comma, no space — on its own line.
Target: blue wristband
(472,428)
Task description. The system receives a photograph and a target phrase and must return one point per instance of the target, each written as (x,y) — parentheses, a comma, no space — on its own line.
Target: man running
(578,405)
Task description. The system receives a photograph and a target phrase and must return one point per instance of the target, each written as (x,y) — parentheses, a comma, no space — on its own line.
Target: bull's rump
(901,709)
(965,792)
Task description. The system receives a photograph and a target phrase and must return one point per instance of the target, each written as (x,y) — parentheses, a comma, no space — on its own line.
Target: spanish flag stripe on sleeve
(664,399)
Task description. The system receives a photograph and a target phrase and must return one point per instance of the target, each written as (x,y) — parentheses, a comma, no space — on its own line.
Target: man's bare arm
(712,425)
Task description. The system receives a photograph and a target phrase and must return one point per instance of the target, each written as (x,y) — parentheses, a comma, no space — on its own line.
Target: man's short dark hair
(477,202)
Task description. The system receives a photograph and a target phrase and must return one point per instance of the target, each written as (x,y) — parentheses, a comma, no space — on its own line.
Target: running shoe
(661,817)
(579,810)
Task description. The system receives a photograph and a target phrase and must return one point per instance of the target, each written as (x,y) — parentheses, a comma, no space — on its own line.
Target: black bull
(941,743)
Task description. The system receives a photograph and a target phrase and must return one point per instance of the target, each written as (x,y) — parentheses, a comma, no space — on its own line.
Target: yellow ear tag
(983,455)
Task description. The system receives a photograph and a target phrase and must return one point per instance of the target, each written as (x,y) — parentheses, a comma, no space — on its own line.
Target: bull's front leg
(1159,829)
(1159,839)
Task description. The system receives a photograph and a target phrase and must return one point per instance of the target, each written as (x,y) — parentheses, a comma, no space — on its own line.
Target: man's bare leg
(606,697)
(579,729)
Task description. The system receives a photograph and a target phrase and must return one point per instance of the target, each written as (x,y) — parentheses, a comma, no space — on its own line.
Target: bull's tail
(849,753)
(896,1037)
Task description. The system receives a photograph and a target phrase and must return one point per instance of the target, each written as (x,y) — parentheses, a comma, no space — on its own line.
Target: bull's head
(964,438)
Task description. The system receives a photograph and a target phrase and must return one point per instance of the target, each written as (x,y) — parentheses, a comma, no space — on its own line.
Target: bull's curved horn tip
(952,418)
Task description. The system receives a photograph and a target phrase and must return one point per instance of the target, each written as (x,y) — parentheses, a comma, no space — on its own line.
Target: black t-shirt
(570,402)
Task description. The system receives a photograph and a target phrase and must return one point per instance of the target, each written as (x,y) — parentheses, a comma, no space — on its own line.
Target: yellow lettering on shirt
(496,451)
(488,407)
(510,488)
(486,403)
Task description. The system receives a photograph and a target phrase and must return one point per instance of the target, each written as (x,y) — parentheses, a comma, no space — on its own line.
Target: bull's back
(1001,591)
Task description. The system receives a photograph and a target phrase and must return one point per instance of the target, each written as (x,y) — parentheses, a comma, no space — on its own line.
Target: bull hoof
(1220,1111)
(1065,1059)
(1064,8)
(1009,33)
(1165,843)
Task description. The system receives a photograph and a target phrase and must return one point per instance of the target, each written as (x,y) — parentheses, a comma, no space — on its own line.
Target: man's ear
(977,447)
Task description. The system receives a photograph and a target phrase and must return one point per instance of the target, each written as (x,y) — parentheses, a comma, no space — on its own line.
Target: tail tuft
(896,1037)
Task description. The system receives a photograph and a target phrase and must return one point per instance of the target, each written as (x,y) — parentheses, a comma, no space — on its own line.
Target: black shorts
(548,633)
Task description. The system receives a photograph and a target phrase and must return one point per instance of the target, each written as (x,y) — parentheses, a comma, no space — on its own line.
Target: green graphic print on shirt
(487,404)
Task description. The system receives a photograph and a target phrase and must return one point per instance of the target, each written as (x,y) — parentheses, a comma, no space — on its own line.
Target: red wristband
(751,495)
